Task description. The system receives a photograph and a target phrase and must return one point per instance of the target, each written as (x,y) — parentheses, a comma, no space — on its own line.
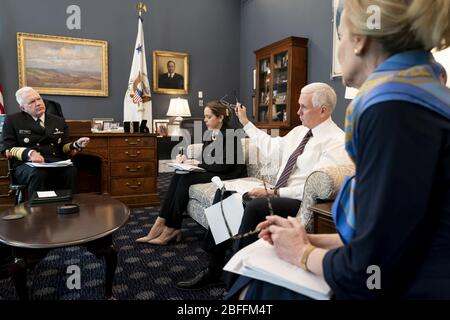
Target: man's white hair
(21,93)
(322,95)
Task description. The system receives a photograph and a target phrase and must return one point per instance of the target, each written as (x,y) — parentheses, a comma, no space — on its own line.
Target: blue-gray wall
(266,21)
(208,30)
(219,35)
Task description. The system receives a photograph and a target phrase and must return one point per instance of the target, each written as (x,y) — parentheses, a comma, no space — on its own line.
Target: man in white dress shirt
(315,144)
(323,145)
(324,148)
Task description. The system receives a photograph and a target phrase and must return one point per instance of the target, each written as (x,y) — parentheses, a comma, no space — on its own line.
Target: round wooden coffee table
(42,229)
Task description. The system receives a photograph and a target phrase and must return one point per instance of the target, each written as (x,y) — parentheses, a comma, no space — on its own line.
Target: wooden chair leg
(18,273)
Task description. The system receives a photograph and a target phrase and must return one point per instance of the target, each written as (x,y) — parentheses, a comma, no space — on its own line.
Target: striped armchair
(323,184)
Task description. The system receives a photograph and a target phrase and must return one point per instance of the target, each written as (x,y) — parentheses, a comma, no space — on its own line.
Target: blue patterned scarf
(407,76)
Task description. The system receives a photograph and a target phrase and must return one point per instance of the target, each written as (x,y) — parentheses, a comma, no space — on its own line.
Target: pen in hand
(264,232)
(181,157)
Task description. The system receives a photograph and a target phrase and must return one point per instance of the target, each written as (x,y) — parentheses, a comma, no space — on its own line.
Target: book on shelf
(260,261)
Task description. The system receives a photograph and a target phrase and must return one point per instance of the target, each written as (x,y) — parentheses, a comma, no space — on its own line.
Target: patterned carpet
(144,271)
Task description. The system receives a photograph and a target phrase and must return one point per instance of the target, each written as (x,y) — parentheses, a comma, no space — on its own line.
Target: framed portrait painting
(62,65)
(170,72)
(337,12)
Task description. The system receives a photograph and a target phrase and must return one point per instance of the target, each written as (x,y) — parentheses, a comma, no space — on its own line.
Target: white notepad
(46,194)
(57,164)
(234,211)
(259,261)
(185,167)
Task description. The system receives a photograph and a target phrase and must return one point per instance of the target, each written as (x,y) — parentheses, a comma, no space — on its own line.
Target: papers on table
(185,167)
(233,209)
(46,194)
(57,164)
(39,197)
(259,261)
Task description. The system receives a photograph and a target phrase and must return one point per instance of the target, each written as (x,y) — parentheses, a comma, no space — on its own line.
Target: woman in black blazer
(216,163)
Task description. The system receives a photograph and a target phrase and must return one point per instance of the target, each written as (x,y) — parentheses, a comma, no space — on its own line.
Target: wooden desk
(42,229)
(128,164)
(323,221)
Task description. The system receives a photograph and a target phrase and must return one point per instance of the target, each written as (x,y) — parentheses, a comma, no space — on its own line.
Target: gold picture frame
(335,65)
(179,83)
(160,127)
(63,65)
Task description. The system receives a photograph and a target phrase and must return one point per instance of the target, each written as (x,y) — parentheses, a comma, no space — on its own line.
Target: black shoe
(204,279)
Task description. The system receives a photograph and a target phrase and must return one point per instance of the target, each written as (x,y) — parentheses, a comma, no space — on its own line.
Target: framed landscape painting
(62,65)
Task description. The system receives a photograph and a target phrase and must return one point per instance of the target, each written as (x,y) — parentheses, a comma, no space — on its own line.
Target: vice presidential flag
(2,104)
(137,104)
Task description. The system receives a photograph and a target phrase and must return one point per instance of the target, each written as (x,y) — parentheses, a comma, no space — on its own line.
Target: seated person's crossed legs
(214,162)
(167,226)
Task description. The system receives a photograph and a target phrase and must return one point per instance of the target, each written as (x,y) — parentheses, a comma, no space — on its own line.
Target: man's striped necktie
(282,181)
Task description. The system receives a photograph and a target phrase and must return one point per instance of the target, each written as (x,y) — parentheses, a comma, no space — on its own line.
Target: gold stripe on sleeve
(66,147)
(17,152)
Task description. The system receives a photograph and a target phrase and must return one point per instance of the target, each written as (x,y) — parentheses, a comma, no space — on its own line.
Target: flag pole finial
(141,7)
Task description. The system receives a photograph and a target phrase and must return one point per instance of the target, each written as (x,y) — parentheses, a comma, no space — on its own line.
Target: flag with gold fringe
(137,102)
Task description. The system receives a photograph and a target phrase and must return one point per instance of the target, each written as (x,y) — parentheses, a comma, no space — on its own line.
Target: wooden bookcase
(281,72)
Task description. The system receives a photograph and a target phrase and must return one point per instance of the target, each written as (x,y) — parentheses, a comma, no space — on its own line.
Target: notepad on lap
(57,164)
(259,261)
(185,167)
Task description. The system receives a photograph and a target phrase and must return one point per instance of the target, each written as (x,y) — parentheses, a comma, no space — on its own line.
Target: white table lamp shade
(178,108)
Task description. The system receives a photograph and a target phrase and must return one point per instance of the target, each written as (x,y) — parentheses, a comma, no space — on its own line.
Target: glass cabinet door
(280,87)
(264,74)
(274,102)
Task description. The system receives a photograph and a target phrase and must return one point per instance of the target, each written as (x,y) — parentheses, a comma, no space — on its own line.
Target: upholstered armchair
(323,184)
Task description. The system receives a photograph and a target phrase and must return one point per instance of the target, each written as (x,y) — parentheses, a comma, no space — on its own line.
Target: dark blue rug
(144,271)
